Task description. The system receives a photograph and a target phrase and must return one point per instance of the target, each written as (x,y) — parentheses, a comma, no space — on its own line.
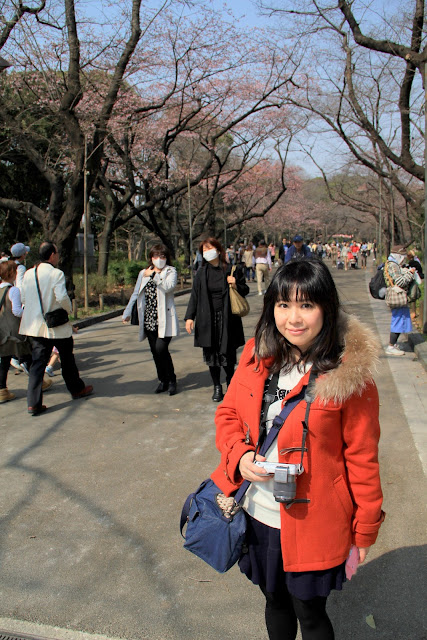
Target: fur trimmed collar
(358,363)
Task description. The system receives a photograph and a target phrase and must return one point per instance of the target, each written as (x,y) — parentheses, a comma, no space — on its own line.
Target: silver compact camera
(285,475)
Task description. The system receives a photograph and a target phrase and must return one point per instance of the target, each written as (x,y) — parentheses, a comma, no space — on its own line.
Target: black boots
(164,386)
(217,394)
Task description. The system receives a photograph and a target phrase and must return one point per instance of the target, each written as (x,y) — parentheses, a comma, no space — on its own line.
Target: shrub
(132,270)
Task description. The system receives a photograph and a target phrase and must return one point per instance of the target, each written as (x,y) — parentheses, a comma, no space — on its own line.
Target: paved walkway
(91,492)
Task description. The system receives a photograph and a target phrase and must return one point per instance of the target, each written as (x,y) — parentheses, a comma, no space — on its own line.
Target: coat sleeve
(127,312)
(60,292)
(361,433)
(400,277)
(231,432)
(191,312)
(167,279)
(241,285)
(290,252)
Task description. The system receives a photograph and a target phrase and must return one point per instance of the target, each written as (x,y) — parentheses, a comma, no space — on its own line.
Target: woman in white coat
(158,320)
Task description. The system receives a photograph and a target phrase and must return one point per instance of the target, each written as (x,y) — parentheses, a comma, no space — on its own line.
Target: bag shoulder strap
(3,298)
(38,290)
(307,394)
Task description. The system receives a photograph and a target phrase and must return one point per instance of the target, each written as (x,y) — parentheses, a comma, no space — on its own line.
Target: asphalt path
(91,493)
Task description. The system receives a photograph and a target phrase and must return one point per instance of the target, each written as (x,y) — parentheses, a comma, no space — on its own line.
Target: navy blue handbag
(216,524)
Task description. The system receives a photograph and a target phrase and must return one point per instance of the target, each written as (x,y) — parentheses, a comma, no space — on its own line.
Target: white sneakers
(394,350)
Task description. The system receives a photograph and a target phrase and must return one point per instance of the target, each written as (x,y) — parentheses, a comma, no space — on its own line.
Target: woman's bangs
(288,291)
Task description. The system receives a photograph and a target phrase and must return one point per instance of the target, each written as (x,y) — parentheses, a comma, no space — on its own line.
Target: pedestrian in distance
(298,542)
(283,250)
(249,261)
(19,252)
(298,250)
(12,344)
(217,330)
(396,274)
(263,266)
(44,291)
(157,316)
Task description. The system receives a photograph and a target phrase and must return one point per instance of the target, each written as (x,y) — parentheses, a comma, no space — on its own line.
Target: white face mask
(159,262)
(210,255)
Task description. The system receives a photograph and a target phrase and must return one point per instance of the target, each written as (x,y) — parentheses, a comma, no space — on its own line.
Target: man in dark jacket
(283,250)
(297,250)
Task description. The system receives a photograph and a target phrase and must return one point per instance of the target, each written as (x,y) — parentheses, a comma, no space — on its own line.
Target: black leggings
(161,356)
(283,610)
(216,374)
(394,337)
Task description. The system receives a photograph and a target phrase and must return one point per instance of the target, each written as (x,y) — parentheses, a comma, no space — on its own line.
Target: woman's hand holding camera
(251,472)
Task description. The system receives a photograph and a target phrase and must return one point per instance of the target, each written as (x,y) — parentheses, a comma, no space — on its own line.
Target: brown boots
(6,395)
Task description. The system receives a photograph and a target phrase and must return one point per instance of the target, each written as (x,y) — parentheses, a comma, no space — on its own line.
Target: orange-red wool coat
(341,477)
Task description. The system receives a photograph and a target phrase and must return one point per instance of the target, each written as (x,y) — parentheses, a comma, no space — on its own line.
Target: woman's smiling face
(299,321)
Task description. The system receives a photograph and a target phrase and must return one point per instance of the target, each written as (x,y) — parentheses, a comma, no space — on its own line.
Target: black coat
(200,309)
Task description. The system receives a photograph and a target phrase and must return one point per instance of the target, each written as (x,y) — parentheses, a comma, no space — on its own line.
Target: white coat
(167,316)
(54,295)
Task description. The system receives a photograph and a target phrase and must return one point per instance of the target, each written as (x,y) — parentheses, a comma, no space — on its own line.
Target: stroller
(353,260)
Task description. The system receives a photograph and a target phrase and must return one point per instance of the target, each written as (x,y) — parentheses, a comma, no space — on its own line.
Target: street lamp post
(85,232)
(190,227)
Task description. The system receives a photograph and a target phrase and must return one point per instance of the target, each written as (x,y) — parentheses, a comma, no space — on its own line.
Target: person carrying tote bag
(216,329)
(398,281)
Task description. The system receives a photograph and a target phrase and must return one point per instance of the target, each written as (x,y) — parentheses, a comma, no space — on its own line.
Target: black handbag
(134,318)
(55,318)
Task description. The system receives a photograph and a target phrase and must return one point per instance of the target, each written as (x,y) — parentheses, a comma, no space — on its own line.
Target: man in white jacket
(54,296)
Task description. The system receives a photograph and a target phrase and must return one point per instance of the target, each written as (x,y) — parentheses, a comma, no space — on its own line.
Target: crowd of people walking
(30,345)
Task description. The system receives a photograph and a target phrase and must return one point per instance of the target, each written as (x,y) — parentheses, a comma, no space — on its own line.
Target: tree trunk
(104,240)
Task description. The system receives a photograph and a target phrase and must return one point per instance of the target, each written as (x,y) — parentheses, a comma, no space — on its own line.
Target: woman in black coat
(217,330)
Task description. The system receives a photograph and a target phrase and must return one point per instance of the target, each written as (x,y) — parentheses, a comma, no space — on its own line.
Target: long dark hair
(306,279)
(218,246)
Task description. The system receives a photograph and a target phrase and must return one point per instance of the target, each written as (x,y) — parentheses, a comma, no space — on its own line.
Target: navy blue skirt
(263,565)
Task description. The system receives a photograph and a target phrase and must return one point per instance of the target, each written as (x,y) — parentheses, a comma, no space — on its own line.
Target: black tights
(216,374)
(283,610)
(394,337)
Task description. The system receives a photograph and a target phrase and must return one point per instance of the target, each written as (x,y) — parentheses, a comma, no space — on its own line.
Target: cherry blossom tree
(104,102)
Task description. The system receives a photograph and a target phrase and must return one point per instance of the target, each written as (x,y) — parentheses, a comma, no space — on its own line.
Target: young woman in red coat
(297,553)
